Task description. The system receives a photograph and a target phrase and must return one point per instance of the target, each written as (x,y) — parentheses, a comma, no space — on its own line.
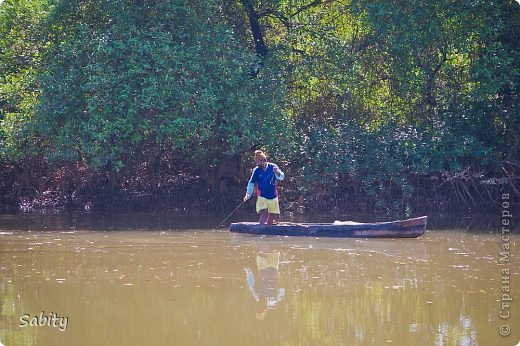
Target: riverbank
(40,187)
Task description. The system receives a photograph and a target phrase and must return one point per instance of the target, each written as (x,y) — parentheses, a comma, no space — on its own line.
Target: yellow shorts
(270,204)
(265,260)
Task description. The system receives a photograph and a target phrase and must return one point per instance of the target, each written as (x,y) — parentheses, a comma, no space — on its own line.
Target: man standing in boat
(265,177)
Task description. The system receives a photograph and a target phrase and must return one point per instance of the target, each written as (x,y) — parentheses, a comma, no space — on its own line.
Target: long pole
(227,217)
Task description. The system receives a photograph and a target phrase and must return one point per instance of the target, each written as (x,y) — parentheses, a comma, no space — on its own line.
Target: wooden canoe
(411,228)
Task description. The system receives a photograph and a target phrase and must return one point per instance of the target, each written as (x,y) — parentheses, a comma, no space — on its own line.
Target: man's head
(260,158)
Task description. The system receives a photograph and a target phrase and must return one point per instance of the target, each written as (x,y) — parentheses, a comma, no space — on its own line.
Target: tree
(170,74)
(23,43)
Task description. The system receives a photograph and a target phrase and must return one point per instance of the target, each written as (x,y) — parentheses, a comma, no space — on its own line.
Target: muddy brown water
(138,280)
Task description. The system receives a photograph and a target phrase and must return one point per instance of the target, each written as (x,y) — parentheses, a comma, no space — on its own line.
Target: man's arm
(250,186)
(278,172)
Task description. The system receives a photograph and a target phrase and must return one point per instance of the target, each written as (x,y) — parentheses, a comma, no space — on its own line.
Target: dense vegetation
(366,104)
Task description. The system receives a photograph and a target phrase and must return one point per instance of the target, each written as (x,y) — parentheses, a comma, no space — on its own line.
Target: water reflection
(441,288)
(265,288)
(353,289)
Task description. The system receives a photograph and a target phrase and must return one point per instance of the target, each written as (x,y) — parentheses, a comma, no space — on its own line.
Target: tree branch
(306,7)
(260,47)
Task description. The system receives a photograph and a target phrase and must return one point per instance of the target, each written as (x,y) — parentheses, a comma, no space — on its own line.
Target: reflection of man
(265,292)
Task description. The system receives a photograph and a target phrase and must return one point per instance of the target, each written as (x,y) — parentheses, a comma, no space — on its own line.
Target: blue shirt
(265,181)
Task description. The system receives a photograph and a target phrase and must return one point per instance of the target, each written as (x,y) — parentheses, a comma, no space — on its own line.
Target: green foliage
(22,46)
(388,91)
(371,94)
(127,72)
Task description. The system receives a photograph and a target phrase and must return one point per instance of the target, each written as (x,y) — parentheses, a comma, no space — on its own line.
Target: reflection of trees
(10,312)
(370,298)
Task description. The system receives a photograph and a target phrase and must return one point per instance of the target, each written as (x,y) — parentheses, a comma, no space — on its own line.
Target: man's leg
(273,209)
(264,216)
(270,218)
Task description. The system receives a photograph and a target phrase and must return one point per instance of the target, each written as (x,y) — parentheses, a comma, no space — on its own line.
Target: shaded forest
(159,104)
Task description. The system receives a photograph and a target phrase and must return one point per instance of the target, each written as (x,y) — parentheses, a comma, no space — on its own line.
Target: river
(165,280)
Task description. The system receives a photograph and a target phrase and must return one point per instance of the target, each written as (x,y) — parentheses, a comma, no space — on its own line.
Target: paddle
(227,217)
